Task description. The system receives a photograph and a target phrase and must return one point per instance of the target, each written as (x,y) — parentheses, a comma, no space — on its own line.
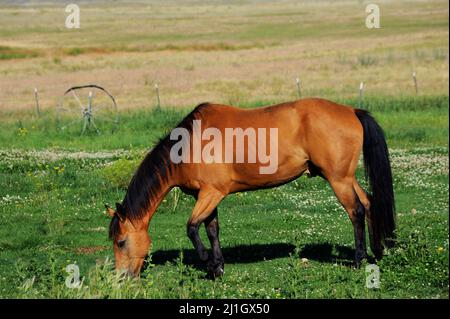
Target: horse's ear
(119,211)
(109,211)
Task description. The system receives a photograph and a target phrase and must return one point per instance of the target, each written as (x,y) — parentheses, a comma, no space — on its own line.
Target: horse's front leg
(216,261)
(207,201)
(192,232)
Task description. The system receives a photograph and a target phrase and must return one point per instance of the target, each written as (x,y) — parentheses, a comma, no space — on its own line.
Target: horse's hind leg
(207,201)
(345,192)
(375,242)
(216,262)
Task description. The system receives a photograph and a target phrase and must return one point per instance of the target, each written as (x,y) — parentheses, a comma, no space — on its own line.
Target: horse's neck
(165,188)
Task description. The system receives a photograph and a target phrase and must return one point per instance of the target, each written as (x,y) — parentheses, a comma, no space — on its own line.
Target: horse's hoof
(358,259)
(215,272)
(218,272)
(378,254)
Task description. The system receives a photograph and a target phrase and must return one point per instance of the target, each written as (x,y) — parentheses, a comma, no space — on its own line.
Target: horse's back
(303,118)
(323,132)
(310,126)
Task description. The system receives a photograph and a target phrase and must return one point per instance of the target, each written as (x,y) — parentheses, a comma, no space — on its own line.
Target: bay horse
(314,136)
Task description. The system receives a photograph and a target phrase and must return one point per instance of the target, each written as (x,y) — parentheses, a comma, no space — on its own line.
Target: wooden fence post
(299,92)
(361,94)
(36,98)
(158,101)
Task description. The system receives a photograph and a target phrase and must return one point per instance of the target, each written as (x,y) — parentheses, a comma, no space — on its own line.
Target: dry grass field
(234,52)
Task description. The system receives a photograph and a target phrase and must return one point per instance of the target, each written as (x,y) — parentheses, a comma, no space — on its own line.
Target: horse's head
(131,241)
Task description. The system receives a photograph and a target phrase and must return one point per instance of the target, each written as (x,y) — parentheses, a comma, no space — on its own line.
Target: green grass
(8,53)
(423,121)
(294,241)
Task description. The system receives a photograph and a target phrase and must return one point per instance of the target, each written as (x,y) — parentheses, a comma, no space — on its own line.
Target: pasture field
(294,241)
(237,52)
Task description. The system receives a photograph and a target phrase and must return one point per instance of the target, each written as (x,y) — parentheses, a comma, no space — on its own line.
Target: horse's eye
(121,243)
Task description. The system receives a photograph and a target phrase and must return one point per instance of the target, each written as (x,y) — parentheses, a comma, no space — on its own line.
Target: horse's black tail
(378,171)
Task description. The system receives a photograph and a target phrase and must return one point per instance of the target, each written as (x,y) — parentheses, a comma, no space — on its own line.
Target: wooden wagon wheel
(89,107)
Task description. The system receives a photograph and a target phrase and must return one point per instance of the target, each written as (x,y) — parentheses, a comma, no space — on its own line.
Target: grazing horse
(313,136)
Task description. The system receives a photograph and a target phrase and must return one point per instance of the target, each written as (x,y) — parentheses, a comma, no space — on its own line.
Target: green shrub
(120,172)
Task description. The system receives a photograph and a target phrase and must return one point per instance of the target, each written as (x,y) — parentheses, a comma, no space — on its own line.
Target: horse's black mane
(153,171)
